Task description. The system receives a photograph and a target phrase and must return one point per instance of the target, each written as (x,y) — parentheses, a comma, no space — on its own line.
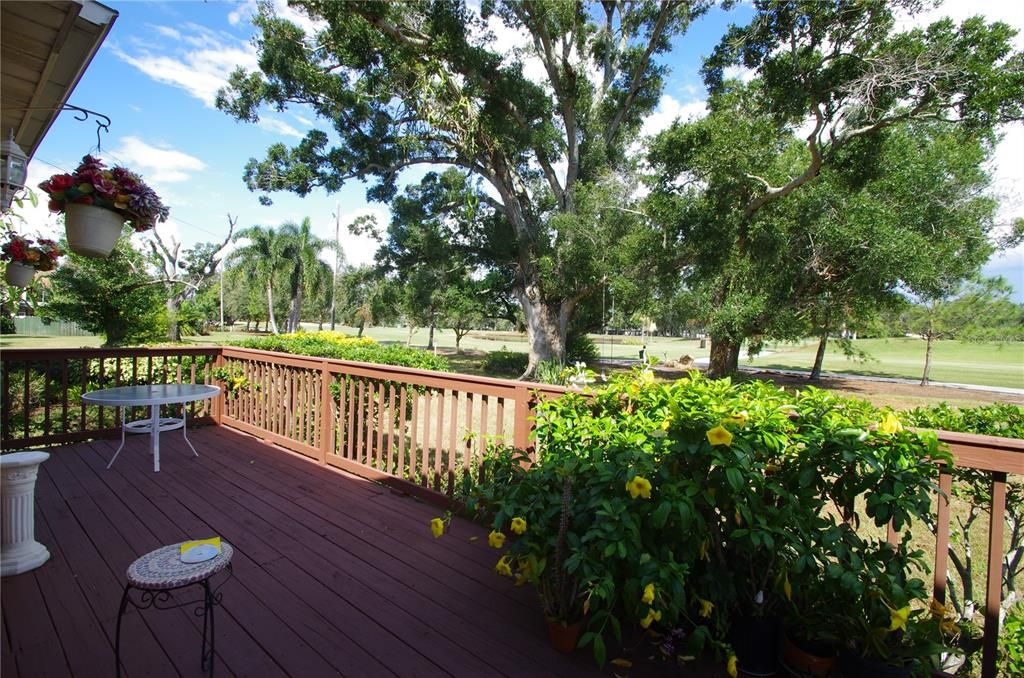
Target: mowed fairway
(983,363)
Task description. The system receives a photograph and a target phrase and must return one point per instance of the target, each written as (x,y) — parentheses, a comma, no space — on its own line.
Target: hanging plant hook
(103,122)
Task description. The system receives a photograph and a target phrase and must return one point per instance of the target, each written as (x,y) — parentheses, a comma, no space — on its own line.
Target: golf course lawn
(982,363)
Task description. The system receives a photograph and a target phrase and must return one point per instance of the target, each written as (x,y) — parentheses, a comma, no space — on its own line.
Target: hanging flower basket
(25,256)
(95,198)
(92,231)
(19,275)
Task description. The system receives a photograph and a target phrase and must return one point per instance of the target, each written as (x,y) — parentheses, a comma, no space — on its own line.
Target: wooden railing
(417,430)
(41,389)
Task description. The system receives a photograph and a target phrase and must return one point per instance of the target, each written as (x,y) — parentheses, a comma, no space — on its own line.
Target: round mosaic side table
(160,572)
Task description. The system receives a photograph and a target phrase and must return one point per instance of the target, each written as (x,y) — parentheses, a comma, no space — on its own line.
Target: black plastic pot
(756,641)
(853,665)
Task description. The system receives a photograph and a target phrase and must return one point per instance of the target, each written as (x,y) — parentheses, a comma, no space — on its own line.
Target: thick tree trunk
(362,326)
(408,341)
(725,357)
(927,361)
(546,326)
(271,322)
(173,331)
(430,340)
(819,357)
(294,313)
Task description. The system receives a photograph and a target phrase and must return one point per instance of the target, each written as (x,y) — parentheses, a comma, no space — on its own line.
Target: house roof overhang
(45,48)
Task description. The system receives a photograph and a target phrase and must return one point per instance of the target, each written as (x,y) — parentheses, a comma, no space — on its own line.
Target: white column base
(19,550)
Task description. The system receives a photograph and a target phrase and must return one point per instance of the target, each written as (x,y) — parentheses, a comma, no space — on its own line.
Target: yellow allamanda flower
(652,616)
(890,424)
(639,487)
(496,539)
(503,567)
(648,596)
(706,606)
(898,618)
(730,666)
(518,525)
(719,435)
(437,527)
(741,418)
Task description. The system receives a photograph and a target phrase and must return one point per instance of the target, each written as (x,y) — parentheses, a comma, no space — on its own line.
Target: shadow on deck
(333,575)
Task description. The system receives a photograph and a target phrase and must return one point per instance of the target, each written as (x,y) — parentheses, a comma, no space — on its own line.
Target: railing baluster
(27,408)
(994,583)
(942,532)
(64,396)
(439,443)
(379,452)
(413,426)
(391,428)
(400,471)
(46,398)
(360,417)
(453,446)
(467,452)
(428,397)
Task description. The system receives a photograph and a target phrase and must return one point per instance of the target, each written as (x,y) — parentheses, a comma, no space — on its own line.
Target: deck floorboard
(332,575)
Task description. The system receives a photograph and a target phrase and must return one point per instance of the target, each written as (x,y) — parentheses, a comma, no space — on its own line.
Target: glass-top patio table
(153,395)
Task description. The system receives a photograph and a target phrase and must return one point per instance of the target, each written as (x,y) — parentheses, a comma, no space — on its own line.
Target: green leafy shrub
(1011,643)
(581,348)
(505,363)
(699,502)
(997,419)
(342,347)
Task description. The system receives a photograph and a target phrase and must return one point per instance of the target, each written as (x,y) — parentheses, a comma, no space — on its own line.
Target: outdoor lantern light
(13,171)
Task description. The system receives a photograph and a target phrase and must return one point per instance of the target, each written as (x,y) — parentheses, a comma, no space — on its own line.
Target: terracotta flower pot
(92,231)
(809,660)
(19,274)
(564,637)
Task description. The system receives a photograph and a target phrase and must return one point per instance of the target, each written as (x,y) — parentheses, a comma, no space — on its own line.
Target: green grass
(982,363)
(986,364)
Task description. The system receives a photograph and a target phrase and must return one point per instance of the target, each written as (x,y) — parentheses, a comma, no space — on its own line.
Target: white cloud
(278,126)
(158,165)
(247,9)
(200,71)
(1007,11)
(359,249)
(741,73)
(167,32)
(669,110)
(302,120)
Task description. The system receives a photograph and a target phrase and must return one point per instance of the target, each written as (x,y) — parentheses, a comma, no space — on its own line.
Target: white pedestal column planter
(19,550)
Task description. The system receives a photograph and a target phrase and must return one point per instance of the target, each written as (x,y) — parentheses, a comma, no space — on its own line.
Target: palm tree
(262,258)
(301,250)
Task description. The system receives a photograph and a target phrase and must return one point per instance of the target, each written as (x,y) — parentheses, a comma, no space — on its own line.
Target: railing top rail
(454,380)
(22,354)
(985,453)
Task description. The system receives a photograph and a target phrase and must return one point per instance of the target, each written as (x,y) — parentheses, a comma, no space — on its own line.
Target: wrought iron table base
(158,598)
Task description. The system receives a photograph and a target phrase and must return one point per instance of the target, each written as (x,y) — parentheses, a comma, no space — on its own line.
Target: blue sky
(158,72)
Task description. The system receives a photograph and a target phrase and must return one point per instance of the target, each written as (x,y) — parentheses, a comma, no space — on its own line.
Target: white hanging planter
(19,550)
(92,231)
(18,274)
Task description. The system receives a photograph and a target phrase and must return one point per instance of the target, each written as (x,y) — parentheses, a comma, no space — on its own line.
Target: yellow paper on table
(213,541)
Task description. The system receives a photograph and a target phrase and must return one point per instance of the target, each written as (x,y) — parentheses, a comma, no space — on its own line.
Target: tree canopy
(411,83)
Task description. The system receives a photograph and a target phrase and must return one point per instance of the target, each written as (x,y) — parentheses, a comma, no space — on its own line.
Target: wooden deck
(333,575)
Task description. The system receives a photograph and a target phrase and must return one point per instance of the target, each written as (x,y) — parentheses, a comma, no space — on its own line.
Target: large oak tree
(841,74)
(420,82)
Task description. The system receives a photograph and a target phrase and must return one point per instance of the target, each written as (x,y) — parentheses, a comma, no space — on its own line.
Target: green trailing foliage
(505,363)
(341,347)
(699,503)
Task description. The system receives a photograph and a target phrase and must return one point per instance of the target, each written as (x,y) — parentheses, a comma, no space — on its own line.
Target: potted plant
(97,202)
(25,256)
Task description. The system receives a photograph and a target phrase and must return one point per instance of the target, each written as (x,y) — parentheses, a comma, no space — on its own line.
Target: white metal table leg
(123,409)
(184,427)
(155,433)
